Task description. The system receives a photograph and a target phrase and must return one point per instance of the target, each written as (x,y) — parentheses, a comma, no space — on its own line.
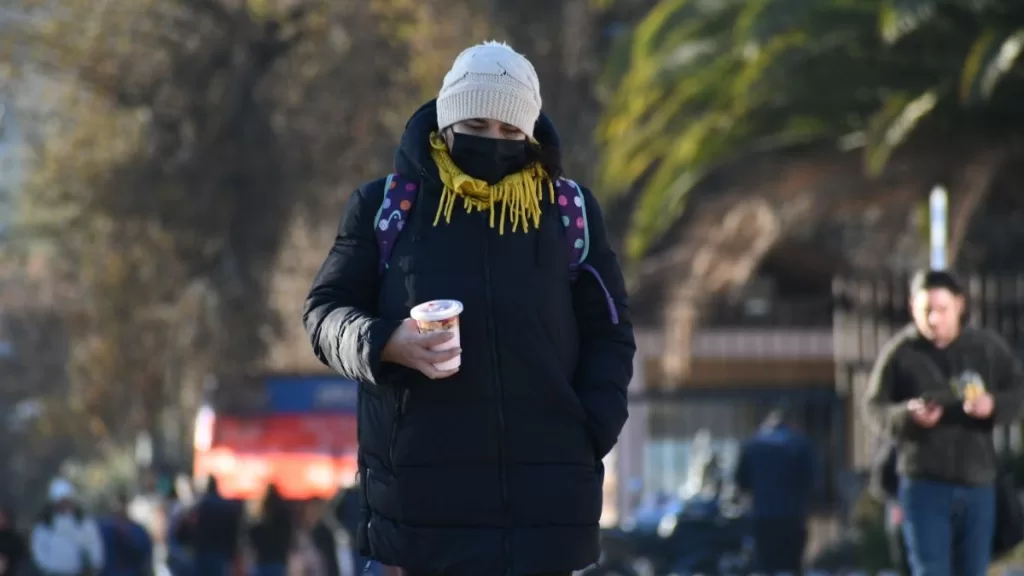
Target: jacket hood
(413,154)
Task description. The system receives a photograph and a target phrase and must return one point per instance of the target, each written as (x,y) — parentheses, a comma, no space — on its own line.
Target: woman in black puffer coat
(493,467)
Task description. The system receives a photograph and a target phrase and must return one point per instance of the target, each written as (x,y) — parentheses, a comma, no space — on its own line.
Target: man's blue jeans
(948,528)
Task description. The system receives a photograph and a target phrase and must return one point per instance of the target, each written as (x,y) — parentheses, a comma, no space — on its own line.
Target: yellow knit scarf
(519,194)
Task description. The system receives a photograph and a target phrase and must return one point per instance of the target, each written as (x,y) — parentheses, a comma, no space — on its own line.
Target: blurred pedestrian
(272,535)
(777,468)
(314,555)
(176,527)
(66,540)
(217,533)
(483,457)
(937,389)
(13,548)
(128,547)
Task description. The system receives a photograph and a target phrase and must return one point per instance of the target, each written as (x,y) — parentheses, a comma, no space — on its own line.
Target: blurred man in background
(128,548)
(216,538)
(272,534)
(937,390)
(66,540)
(12,544)
(176,506)
(777,469)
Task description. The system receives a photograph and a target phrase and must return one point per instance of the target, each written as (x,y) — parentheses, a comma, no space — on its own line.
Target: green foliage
(707,81)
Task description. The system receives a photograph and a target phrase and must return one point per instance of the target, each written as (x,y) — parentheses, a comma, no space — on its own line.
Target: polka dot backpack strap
(399,196)
(574,220)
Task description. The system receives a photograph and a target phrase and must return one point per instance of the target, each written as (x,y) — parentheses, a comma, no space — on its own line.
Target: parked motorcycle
(698,535)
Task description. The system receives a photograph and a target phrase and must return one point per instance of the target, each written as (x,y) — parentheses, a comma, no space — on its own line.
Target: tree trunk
(680,325)
(736,236)
(968,190)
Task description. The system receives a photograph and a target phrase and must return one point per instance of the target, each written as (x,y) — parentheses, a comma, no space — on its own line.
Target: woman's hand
(411,349)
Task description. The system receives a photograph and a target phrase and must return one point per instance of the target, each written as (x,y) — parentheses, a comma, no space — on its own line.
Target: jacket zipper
(506,545)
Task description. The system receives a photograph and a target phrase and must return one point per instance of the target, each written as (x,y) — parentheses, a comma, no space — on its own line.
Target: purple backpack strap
(574,219)
(573,209)
(399,196)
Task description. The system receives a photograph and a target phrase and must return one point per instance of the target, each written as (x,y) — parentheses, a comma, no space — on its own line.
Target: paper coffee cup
(440,316)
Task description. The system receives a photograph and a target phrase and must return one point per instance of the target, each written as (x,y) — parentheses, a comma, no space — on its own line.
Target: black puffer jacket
(496,470)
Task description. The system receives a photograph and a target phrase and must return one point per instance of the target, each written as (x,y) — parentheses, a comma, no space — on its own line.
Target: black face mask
(488,159)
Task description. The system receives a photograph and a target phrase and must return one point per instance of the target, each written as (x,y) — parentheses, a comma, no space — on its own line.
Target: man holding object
(937,390)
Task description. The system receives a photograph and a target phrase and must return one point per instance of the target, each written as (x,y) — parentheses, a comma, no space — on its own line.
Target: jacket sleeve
(340,311)
(607,345)
(92,543)
(39,548)
(887,417)
(1008,388)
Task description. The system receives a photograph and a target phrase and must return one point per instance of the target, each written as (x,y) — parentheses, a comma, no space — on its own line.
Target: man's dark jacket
(959,449)
(497,469)
(778,467)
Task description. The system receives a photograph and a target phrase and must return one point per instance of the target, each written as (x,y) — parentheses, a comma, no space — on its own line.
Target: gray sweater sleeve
(886,417)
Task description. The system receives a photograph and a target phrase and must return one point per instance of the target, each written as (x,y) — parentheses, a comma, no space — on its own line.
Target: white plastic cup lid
(436,310)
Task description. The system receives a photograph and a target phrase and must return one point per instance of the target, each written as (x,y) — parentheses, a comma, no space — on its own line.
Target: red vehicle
(299,435)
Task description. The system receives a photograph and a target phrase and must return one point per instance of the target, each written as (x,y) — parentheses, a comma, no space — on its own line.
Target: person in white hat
(65,540)
(480,455)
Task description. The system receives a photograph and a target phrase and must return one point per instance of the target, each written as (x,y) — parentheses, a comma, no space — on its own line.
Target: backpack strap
(573,210)
(399,196)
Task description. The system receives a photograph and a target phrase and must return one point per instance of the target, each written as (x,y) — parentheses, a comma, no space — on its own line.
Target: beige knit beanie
(493,81)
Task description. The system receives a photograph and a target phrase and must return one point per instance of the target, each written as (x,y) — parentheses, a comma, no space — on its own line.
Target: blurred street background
(172,172)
